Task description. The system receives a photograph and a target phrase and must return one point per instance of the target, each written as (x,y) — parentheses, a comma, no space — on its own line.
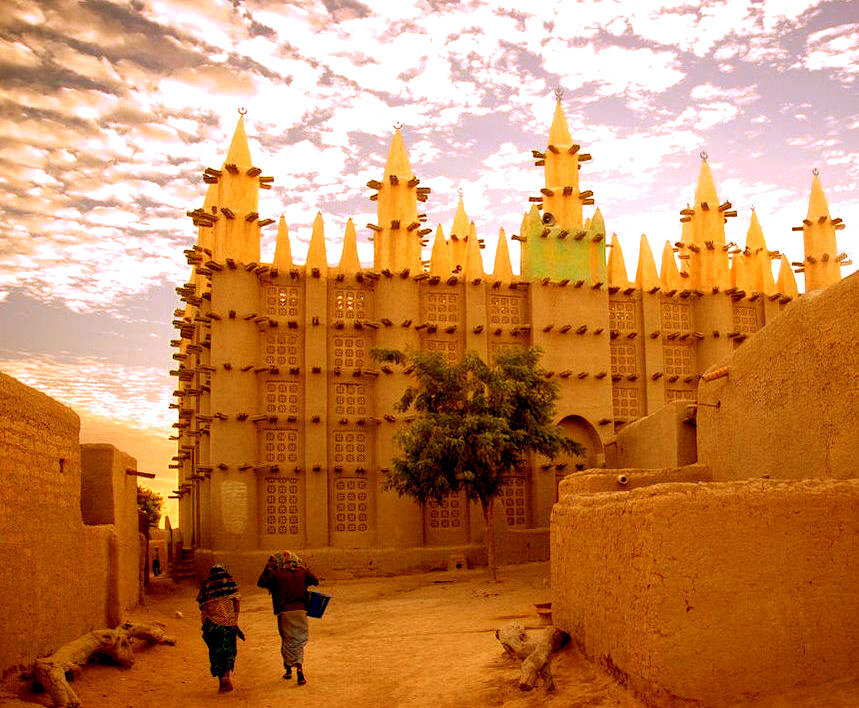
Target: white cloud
(835,48)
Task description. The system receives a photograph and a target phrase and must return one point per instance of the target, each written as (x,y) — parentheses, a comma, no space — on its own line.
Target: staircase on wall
(183,568)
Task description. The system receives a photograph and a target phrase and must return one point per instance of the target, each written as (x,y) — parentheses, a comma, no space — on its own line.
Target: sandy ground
(420,640)
(417,640)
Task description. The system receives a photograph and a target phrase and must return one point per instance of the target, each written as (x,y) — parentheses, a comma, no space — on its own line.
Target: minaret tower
(398,237)
(557,244)
(232,204)
(702,245)
(561,196)
(822,264)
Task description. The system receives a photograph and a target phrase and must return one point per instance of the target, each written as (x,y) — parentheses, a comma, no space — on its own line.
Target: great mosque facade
(286,424)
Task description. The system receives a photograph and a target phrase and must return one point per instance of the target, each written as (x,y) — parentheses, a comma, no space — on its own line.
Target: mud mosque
(285,423)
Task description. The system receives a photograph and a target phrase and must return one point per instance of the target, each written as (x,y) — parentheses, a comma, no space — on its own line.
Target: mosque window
(283,503)
(350,399)
(282,397)
(514,500)
(442,308)
(351,504)
(678,359)
(280,447)
(679,394)
(504,347)
(506,310)
(281,301)
(350,448)
(623,358)
(676,317)
(350,304)
(350,352)
(625,402)
(745,319)
(448,349)
(281,350)
(448,514)
(621,316)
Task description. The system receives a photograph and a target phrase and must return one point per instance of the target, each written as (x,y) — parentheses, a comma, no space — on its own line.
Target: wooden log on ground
(536,655)
(115,644)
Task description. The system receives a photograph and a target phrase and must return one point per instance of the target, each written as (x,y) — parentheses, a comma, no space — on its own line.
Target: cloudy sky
(110,110)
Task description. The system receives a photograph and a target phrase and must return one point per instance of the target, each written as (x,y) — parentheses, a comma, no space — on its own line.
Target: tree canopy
(152,503)
(474,425)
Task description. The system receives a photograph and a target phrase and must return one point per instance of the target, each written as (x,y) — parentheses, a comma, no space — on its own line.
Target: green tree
(474,424)
(152,503)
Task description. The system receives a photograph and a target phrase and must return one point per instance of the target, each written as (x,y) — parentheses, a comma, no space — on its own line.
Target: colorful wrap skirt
(221,641)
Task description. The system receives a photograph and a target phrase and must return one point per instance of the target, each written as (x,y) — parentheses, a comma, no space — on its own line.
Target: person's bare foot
(226,683)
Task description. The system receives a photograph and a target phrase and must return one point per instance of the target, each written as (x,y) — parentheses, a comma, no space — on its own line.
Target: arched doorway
(580,430)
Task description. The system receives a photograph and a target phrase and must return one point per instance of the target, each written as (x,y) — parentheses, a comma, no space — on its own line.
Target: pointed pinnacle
(559,133)
(817,204)
(398,158)
(239,152)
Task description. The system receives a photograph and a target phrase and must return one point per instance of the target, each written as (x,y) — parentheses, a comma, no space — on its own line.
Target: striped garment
(219,584)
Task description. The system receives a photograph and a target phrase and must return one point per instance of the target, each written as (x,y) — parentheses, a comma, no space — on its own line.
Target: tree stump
(50,671)
(536,655)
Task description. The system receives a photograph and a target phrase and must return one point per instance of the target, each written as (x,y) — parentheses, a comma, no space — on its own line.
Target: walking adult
(287,577)
(219,612)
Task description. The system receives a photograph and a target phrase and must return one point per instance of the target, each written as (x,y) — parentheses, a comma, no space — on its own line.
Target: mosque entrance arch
(580,430)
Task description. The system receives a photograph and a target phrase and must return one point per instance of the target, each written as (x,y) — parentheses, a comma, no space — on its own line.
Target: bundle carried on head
(219,584)
(285,560)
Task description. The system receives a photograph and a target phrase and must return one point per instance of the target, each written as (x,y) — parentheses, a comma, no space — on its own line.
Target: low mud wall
(711,592)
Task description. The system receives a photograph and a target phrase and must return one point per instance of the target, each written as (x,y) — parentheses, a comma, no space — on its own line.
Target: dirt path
(419,640)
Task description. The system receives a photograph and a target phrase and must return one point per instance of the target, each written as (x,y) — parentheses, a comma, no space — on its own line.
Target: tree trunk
(536,656)
(489,536)
(113,643)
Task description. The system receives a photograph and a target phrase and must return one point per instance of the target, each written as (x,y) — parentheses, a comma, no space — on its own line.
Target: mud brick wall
(790,404)
(54,571)
(712,591)
(109,496)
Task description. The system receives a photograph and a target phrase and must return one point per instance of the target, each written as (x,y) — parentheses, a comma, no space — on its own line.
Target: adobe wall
(628,478)
(662,439)
(109,496)
(711,592)
(49,561)
(788,408)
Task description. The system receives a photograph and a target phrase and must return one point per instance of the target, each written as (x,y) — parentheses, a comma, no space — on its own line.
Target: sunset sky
(109,111)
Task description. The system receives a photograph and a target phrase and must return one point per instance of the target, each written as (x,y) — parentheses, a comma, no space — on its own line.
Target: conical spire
(440,257)
(398,158)
(786,283)
(755,235)
(239,153)
(669,275)
(646,277)
(460,220)
(473,261)
(282,250)
(458,235)
(502,271)
(758,264)
(596,247)
(617,277)
(817,204)
(349,263)
(597,223)
(316,257)
(559,133)
(397,240)
(706,190)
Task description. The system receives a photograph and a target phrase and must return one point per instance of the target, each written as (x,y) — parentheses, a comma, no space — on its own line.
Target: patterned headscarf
(219,584)
(285,560)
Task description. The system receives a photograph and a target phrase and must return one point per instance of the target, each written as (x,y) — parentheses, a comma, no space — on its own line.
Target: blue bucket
(316,603)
